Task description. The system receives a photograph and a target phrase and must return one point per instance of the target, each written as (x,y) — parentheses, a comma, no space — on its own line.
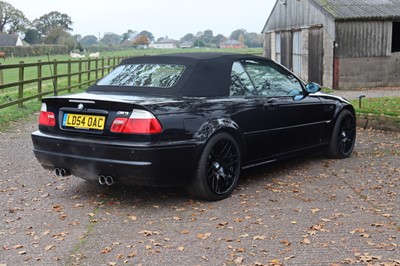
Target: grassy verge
(380,106)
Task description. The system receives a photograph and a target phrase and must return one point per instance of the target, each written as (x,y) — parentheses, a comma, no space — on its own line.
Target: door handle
(271,104)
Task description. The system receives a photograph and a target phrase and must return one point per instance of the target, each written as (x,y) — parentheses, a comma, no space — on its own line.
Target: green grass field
(379,106)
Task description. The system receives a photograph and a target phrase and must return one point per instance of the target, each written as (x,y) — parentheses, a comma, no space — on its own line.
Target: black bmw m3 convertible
(193,120)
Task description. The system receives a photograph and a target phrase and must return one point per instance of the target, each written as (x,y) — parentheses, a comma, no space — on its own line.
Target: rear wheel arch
(215,126)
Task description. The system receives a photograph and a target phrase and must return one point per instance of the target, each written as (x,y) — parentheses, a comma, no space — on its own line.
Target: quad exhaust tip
(61,172)
(106,180)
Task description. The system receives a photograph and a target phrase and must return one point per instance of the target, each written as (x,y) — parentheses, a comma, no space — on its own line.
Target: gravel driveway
(312,211)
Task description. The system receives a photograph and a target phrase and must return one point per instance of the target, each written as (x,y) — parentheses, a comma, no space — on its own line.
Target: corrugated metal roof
(361,9)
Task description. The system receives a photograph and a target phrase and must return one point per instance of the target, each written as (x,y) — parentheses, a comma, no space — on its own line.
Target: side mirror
(313,87)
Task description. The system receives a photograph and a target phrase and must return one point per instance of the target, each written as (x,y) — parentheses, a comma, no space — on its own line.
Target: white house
(163,44)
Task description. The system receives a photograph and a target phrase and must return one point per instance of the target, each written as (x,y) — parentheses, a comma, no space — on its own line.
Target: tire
(218,169)
(343,136)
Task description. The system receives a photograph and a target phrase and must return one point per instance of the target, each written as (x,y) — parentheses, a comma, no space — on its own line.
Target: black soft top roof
(206,74)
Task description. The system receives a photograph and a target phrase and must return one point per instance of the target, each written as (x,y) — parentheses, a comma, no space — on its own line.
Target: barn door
(315,55)
(286,49)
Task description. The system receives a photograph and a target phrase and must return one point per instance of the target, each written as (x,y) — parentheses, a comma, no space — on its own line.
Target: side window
(241,84)
(271,80)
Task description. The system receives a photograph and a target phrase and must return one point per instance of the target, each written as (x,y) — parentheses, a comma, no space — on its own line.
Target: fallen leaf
(244,235)
(132,217)
(181,248)
(289,258)
(275,262)
(239,260)
(106,250)
(131,255)
(203,236)
(259,237)
(315,210)
(57,208)
(49,247)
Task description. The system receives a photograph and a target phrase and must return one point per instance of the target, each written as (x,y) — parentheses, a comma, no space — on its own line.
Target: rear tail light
(46,118)
(140,122)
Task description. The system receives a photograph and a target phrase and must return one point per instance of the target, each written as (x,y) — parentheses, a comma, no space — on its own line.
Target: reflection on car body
(193,120)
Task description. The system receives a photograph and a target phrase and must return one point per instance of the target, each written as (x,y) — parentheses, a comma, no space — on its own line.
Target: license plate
(84,121)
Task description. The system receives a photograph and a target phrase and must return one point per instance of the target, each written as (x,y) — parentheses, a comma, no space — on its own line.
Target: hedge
(34,50)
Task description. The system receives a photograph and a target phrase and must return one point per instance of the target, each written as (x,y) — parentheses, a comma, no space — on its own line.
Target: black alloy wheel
(218,169)
(344,135)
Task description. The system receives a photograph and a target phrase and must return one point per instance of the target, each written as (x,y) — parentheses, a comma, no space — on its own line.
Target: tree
(89,40)
(129,35)
(218,39)
(111,39)
(254,40)
(32,36)
(46,23)
(189,37)
(241,38)
(79,47)
(207,37)
(141,40)
(59,36)
(148,34)
(235,35)
(77,37)
(12,20)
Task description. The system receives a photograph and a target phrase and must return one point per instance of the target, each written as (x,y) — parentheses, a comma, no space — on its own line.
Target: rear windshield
(144,75)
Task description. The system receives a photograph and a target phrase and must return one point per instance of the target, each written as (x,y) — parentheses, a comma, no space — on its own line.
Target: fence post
(39,74)
(80,73)
(69,75)
(1,76)
(21,84)
(55,78)
(97,68)
(88,70)
(102,66)
(108,64)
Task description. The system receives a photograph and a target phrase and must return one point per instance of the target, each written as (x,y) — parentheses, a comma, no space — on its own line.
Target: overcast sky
(173,18)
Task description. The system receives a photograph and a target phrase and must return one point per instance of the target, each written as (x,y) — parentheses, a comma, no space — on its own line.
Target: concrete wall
(371,72)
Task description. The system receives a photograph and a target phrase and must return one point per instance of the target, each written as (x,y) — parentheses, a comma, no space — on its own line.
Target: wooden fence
(71,73)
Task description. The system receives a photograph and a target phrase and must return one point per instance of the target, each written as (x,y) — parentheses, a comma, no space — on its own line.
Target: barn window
(396,37)
(278,47)
(297,52)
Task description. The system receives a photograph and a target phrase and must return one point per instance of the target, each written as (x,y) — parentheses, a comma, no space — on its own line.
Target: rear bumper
(166,164)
